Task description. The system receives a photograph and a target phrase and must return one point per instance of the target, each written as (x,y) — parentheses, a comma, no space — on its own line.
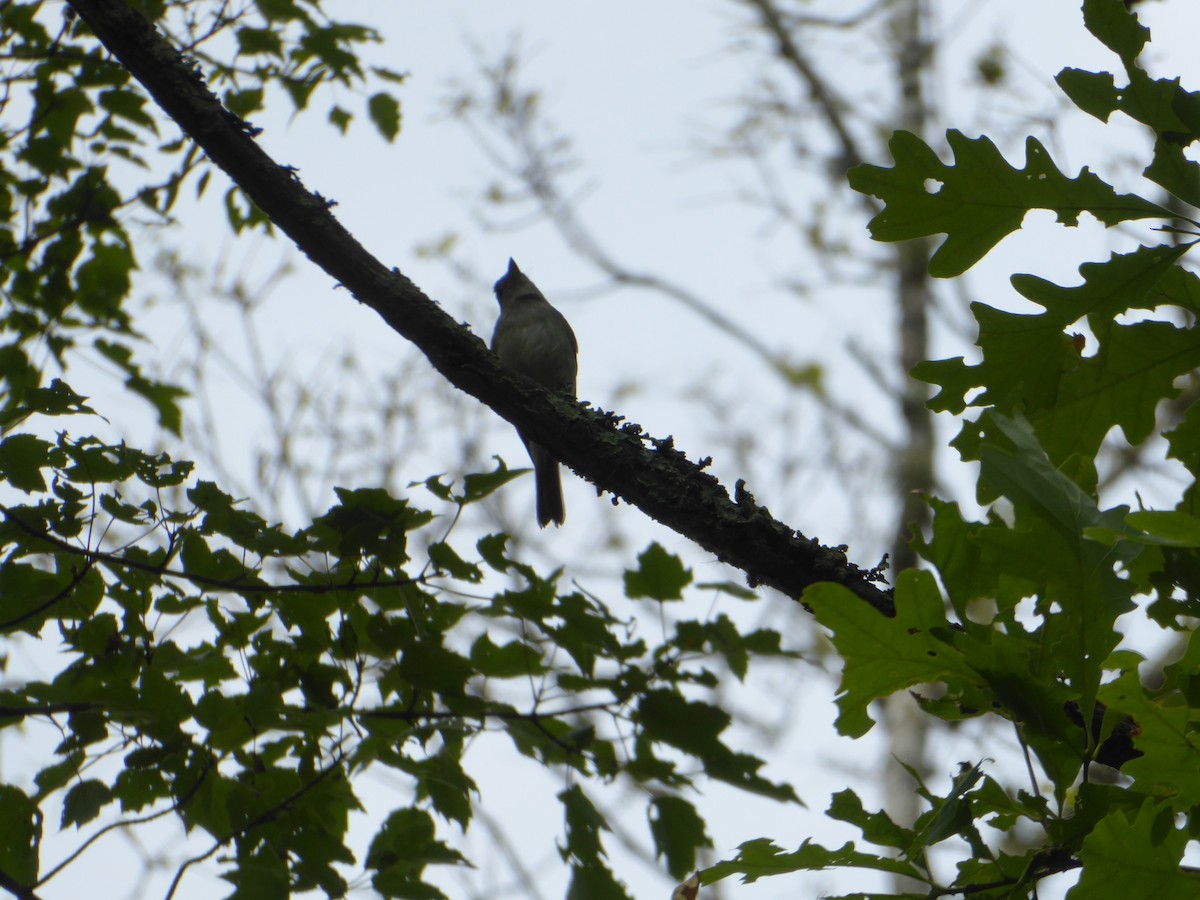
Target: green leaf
(128,104)
(94,462)
(584,825)
(165,707)
(1171,170)
(516,659)
(232,721)
(210,805)
(448,561)
(1135,858)
(262,873)
(1116,27)
(1161,104)
(244,103)
(56,400)
(102,281)
(404,845)
(1049,547)
(243,213)
(84,801)
(279,10)
(478,485)
(20,834)
(595,882)
(1122,386)
(1166,528)
(761,858)
(202,662)
(429,666)
(882,655)
(1093,92)
(1027,358)
(659,576)
(58,111)
(31,596)
(219,565)
(877,827)
(981,198)
(441,779)
(954,549)
(690,725)
(56,774)
(1184,441)
(1017,466)
(585,634)
(384,110)
(1166,735)
(722,636)
(256,41)
(695,727)
(340,118)
(22,458)
(370,522)
(1005,811)
(221,515)
(950,817)
(121,511)
(389,75)
(678,830)
(590,876)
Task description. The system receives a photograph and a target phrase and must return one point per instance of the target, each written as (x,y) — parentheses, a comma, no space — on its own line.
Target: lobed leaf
(980,199)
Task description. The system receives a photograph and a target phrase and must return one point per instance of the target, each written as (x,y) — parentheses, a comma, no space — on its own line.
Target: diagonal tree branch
(819,90)
(650,474)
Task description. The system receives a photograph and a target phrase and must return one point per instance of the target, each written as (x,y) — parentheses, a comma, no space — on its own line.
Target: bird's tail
(549,487)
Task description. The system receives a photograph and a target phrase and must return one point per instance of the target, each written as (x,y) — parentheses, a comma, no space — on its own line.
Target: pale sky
(639,87)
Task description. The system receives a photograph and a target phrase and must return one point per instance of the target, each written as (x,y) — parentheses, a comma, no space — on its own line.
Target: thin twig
(17,888)
(821,92)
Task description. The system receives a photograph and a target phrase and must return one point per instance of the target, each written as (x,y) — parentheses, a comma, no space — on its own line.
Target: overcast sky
(640,87)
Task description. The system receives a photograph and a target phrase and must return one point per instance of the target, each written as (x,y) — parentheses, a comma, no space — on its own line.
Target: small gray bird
(533,338)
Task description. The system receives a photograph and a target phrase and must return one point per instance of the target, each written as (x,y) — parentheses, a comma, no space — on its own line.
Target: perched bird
(687,890)
(533,338)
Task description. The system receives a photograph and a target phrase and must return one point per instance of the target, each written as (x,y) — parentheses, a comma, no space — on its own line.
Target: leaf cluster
(84,153)
(1019,618)
(239,675)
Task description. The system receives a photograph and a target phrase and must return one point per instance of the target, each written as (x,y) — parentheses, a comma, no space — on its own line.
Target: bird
(688,889)
(533,338)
